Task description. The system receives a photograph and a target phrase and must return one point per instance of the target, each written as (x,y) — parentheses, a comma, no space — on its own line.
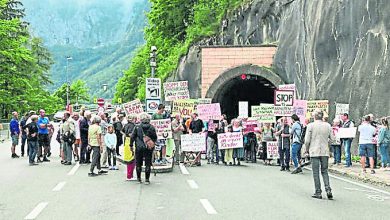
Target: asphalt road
(252,191)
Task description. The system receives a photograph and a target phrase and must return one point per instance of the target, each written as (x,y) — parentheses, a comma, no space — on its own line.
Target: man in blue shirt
(43,136)
(296,132)
(15,133)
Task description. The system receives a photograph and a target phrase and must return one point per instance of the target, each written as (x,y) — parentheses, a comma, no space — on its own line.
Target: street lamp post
(153,62)
(68,58)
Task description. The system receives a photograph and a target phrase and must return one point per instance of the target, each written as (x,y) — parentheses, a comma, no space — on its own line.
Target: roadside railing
(4,131)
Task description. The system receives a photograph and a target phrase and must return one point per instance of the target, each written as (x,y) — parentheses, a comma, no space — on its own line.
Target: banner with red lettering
(133,107)
(209,111)
(230,140)
(163,128)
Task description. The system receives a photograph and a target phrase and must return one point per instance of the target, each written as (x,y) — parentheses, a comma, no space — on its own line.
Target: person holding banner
(336,144)
(229,152)
(211,141)
(347,142)
(283,131)
(160,144)
(196,126)
(267,134)
(177,131)
(238,153)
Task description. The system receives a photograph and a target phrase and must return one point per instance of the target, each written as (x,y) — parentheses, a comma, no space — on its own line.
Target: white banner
(290,87)
(176,90)
(153,88)
(272,150)
(230,140)
(341,109)
(133,107)
(243,109)
(347,132)
(193,142)
(163,128)
(209,111)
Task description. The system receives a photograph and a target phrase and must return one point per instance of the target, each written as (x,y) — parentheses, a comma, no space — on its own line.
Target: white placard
(193,142)
(163,128)
(176,90)
(153,88)
(290,87)
(272,150)
(243,109)
(284,98)
(133,107)
(341,109)
(347,132)
(230,140)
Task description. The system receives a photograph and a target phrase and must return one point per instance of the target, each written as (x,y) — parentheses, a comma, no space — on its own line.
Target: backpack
(68,137)
(149,143)
(303,134)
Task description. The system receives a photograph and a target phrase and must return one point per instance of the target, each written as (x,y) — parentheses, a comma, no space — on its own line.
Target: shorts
(15,139)
(43,140)
(366,150)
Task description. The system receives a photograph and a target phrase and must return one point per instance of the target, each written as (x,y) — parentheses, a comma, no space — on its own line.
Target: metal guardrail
(4,131)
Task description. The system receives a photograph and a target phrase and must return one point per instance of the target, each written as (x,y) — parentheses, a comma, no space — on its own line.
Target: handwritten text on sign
(209,111)
(284,110)
(272,150)
(317,104)
(176,90)
(300,108)
(163,128)
(183,107)
(230,140)
(264,113)
(290,87)
(284,98)
(133,107)
(193,142)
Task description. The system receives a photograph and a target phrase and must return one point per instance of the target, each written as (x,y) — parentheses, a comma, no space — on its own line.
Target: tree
(78,92)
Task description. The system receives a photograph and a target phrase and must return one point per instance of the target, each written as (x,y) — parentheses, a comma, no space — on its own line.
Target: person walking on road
(15,133)
(95,143)
(347,142)
(118,126)
(43,137)
(318,135)
(383,142)
(76,154)
(103,125)
(366,146)
(32,139)
(68,138)
(128,131)
(296,132)
(143,153)
(85,153)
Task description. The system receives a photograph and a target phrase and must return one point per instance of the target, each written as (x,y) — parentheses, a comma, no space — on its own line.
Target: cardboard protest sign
(209,111)
(176,90)
(153,88)
(341,109)
(300,108)
(347,132)
(317,104)
(284,98)
(163,128)
(243,109)
(289,87)
(193,142)
(230,140)
(265,113)
(204,101)
(183,107)
(249,126)
(272,150)
(133,107)
(284,110)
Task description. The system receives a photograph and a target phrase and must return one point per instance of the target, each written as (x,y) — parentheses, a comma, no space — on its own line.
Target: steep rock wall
(336,50)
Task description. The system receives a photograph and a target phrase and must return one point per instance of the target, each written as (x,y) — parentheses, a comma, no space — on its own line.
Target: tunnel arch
(229,88)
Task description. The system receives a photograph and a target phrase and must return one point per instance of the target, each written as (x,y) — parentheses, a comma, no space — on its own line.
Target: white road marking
(74,169)
(207,205)
(192,184)
(360,190)
(160,207)
(357,184)
(183,169)
(36,211)
(59,186)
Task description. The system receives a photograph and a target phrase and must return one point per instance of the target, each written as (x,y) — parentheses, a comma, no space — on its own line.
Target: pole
(67,83)
(153,62)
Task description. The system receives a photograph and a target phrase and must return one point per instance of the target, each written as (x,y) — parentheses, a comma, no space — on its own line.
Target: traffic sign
(95,100)
(119,100)
(153,88)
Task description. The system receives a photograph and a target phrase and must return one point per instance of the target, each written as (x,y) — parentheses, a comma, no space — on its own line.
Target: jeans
(95,158)
(383,148)
(316,163)
(103,156)
(179,155)
(67,151)
(32,150)
(24,139)
(210,147)
(336,153)
(347,148)
(284,154)
(295,148)
(84,155)
(111,152)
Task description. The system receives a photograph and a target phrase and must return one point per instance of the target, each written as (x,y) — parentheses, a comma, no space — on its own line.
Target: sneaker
(147,182)
(39,160)
(49,154)
(317,196)
(282,169)
(296,171)
(139,180)
(110,168)
(115,168)
(288,169)
(92,174)
(45,160)
(102,172)
(329,195)
(68,163)
(105,167)
(208,162)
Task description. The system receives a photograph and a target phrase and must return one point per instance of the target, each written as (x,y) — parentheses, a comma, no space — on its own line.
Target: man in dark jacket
(142,152)
(84,126)
(32,139)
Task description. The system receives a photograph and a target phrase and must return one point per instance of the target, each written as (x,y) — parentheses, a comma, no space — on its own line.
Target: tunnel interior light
(243,76)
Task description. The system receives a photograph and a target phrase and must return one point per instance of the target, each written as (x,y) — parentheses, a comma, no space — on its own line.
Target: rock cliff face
(335,50)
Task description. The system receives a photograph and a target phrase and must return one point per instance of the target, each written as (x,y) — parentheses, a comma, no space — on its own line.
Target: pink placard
(300,109)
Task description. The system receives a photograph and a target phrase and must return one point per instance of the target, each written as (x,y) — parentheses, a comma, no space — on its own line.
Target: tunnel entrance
(249,83)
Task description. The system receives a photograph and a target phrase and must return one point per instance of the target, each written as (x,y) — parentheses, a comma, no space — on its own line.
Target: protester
(374,141)
(68,138)
(103,125)
(211,142)
(221,128)
(161,143)
(229,152)
(50,127)
(23,124)
(43,137)
(196,126)
(85,152)
(283,132)
(347,123)
(118,126)
(77,119)
(366,146)
(110,143)
(32,139)
(267,135)
(317,138)
(128,131)
(238,153)
(15,133)
(143,153)
(383,142)
(95,143)
(177,131)
(296,132)
(336,143)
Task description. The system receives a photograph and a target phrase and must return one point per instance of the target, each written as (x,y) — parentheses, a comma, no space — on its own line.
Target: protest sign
(284,110)
(287,87)
(133,107)
(184,107)
(317,104)
(153,88)
(163,128)
(243,109)
(176,90)
(265,113)
(341,109)
(209,111)
(272,150)
(193,142)
(347,132)
(204,101)
(249,126)
(230,140)
(284,98)
(300,107)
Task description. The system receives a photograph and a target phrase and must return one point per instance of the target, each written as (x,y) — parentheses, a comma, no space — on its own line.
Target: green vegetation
(78,93)
(173,26)
(24,65)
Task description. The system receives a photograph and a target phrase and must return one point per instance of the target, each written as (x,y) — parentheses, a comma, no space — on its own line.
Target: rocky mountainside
(100,36)
(335,50)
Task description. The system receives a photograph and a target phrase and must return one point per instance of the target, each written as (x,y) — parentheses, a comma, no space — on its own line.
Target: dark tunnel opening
(251,88)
